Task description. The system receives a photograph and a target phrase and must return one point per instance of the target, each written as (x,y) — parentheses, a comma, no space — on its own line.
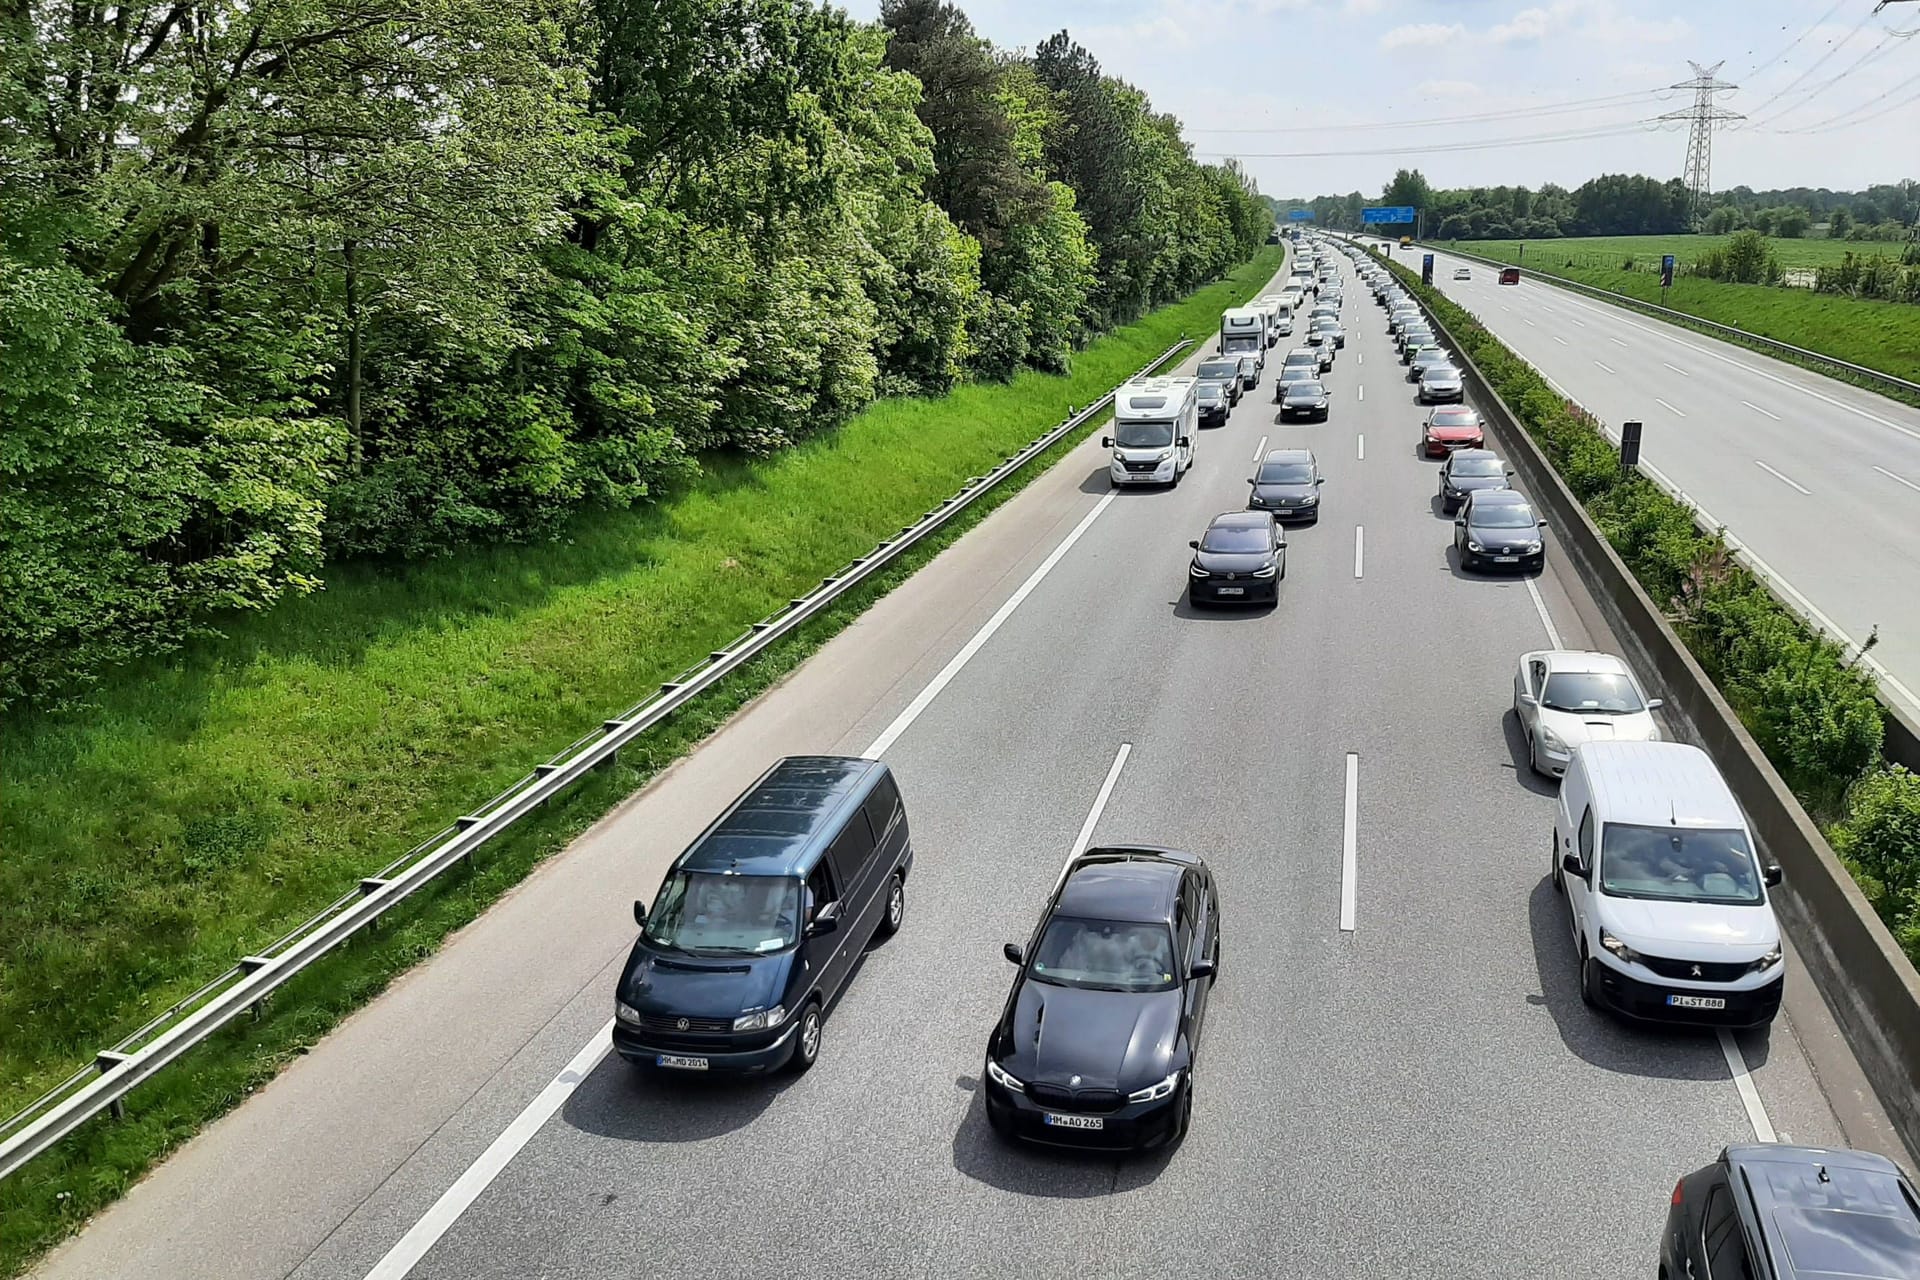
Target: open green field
(209,803)
(1612,252)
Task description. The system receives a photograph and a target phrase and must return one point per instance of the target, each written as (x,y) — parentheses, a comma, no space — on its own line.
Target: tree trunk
(355,451)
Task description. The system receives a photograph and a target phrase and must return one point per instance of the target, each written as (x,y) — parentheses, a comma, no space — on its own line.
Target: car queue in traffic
(761,921)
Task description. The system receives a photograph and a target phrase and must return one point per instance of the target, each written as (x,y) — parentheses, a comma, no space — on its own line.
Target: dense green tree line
(325,277)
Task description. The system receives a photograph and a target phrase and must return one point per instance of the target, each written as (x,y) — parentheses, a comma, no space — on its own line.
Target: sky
(1831,91)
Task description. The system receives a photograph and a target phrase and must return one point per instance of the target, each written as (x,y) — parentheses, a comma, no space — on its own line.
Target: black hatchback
(1095,1047)
(1497,529)
(1770,1211)
(1241,558)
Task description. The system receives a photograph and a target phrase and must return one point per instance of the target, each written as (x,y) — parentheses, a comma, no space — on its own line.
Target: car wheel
(1186,1111)
(806,1047)
(1533,755)
(896,906)
(1589,981)
(1553,866)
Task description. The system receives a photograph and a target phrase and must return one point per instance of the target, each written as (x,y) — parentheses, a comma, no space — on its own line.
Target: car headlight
(998,1074)
(1618,947)
(763,1020)
(1532,547)
(1310,499)
(1267,572)
(1551,740)
(1474,546)
(1766,961)
(1195,571)
(1155,1092)
(626,1012)
(1119,458)
(1165,455)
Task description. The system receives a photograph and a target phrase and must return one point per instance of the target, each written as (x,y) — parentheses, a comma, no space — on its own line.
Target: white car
(1567,697)
(1462,273)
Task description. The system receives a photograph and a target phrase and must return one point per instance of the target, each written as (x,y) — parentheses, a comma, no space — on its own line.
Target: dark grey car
(1240,558)
(1308,400)
(1287,484)
(1497,529)
(1224,370)
(1468,470)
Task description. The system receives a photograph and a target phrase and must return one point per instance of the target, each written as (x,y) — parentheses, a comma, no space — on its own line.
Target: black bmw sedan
(1095,1047)
(1241,557)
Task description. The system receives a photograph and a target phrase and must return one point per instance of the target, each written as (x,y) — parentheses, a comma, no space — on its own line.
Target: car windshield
(1504,515)
(1305,390)
(1240,343)
(1213,392)
(1607,693)
(1285,473)
(1456,418)
(1219,370)
(1143,435)
(1441,373)
(1236,539)
(1477,467)
(1105,955)
(1301,359)
(1678,863)
(1429,355)
(713,913)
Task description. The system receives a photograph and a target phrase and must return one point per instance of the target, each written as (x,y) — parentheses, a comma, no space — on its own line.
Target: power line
(1834,123)
(1885,47)
(1583,104)
(1809,30)
(1819,62)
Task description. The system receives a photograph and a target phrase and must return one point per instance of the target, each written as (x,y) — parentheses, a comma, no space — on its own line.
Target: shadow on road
(1523,767)
(641,1104)
(1185,608)
(1059,1174)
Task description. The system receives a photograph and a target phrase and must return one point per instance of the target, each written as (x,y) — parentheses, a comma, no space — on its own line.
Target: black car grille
(1694,970)
(1090,1100)
(1140,466)
(677,1026)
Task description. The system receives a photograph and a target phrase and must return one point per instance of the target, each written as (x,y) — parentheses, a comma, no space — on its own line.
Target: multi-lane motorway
(1422,1094)
(1819,480)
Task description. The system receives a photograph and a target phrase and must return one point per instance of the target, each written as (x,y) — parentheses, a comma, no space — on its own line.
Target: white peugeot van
(1155,421)
(1666,899)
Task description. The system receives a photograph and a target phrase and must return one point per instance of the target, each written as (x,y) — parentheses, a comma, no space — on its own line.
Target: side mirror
(640,912)
(1106,442)
(1459,522)
(1528,700)
(1200,969)
(1013,953)
(1570,863)
(1654,704)
(1186,442)
(1773,874)
(1282,545)
(1194,543)
(1251,480)
(1543,524)
(1319,479)
(825,921)
(1509,470)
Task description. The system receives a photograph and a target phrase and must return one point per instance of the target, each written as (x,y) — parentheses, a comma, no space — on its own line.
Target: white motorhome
(1281,312)
(1243,332)
(1155,422)
(1666,895)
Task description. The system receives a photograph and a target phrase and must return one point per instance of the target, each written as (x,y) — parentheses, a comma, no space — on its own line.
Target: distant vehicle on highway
(1442,384)
(1216,402)
(1462,273)
(760,921)
(1095,1046)
(1302,364)
(1451,427)
(1243,331)
(1333,329)
(1770,1211)
(1565,698)
(1665,899)
(1467,470)
(1221,371)
(1154,420)
(1287,483)
(1421,357)
(1241,558)
(1249,372)
(1498,529)
(1412,336)
(1307,400)
(1510,275)
(1322,345)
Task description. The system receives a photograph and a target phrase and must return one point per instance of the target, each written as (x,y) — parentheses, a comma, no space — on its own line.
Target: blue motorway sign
(1388,213)
(1299,215)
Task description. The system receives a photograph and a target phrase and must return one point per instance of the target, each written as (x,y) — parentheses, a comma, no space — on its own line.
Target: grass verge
(210,803)
(1646,251)
(1814,713)
(1863,331)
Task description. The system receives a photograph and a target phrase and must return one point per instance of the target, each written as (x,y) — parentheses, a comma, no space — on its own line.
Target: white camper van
(1666,894)
(1280,315)
(1155,422)
(1243,332)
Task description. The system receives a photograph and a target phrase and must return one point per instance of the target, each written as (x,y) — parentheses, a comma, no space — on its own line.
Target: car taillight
(1676,1191)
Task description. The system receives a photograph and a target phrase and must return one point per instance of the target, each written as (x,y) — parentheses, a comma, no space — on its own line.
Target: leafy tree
(1839,222)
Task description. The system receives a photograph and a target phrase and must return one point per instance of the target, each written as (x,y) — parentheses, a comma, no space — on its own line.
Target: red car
(1450,427)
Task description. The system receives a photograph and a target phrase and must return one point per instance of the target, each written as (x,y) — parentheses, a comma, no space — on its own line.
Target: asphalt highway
(1422,1094)
(1818,479)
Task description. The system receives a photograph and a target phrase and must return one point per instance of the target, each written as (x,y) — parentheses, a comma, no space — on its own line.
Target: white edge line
(456,1199)
(1546,619)
(1359,546)
(1782,478)
(1762,412)
(1085,837)
(1898,479)
(980,637)
(1350,845)
(1259,449)
(1743,1081)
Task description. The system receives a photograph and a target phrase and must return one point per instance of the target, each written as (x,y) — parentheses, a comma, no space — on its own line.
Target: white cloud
(1365,7)
(1528,24)
(1416,34)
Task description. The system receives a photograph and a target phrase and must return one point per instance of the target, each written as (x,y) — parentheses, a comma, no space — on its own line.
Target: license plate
(1075,1122)
(1696,1002)
(1231,591)
(1505,559)
(682,1064)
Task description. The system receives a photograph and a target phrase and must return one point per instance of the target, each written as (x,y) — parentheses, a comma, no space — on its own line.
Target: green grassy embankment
(208,804)
(1863,331)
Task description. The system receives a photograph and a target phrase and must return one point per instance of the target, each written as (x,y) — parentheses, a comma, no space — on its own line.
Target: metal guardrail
(139,1057)
(1692,321)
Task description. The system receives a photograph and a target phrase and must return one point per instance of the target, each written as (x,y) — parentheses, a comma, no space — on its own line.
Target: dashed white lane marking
(1618,342)
(1562,341)
(1743,1081)
(1350,845)
(1604,368)
(1260,449)
(1762,412)
(1359,547)
(1362,393)
(1898,479)
(1676,368)
(1681,413)
(1782,477)
(1360,444)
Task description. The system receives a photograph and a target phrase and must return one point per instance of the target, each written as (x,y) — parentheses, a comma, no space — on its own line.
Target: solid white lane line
(906,718)
(1081,841)
(1562,341)
(1898,479)
(1362,392)
(1618,342)
(1778,476)
(1260,449)
(1361,445)
(1743,1081)
(1677,369)
(425,1233)
(1546,619)
(1359,547)
(1604,368)
(1350,844)
(1669,408)
(1762,412)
